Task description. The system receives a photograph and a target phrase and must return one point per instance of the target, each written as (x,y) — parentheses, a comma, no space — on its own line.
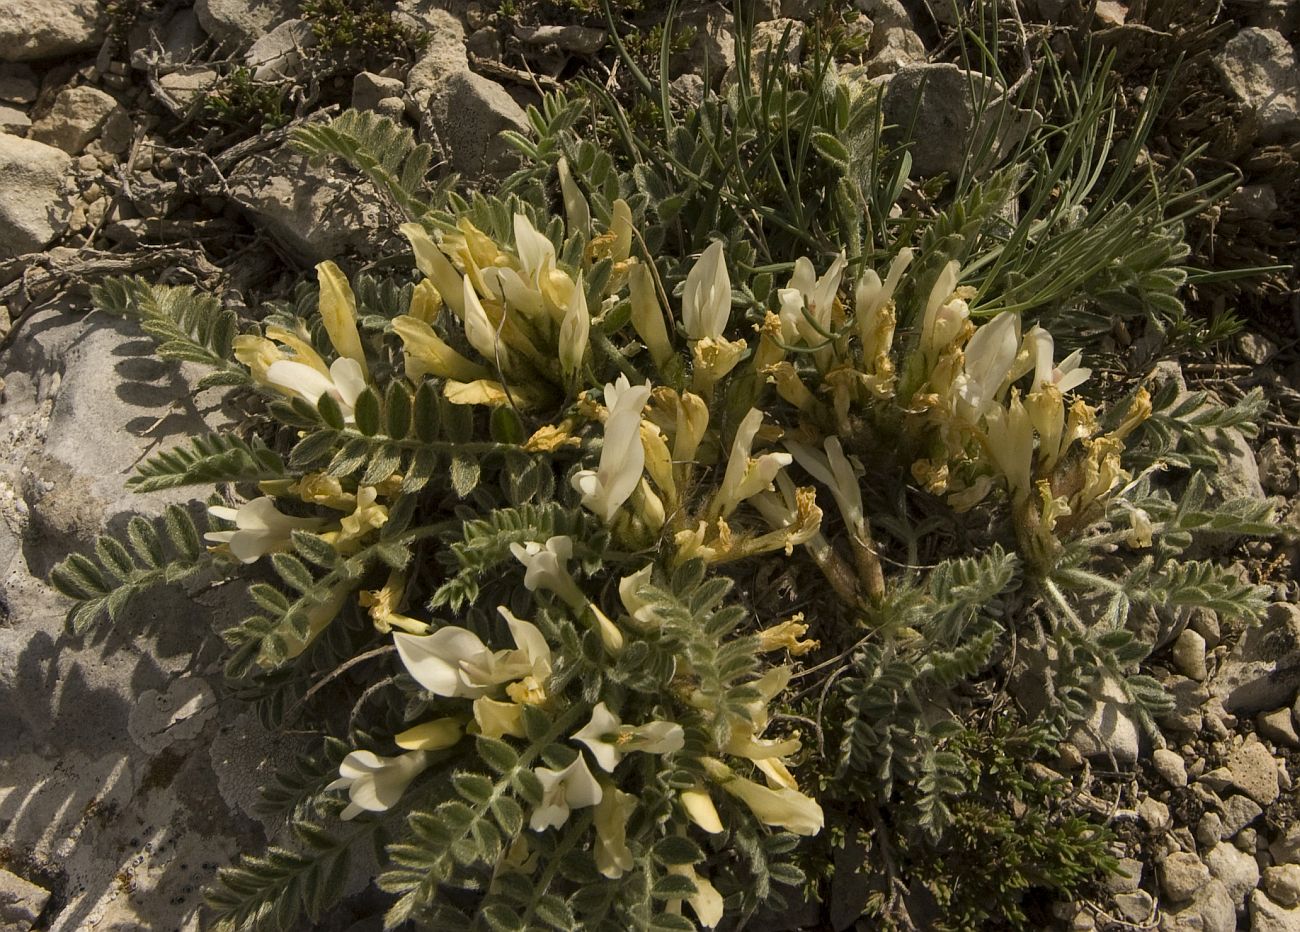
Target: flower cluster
(692,437)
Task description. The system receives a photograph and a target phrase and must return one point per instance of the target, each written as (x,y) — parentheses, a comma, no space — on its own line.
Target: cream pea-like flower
(260,528)
(375,783)
(785,808)
(1065,377)
(574,787)
(989,355)
(345,382)
(545,567)
(707,902)
(706,299)
(455,663)
(746,475)
(609,739)
(613,857)
(622,459)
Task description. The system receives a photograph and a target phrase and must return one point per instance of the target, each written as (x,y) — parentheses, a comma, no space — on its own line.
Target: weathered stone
(1259,67)
(34,204)
(1236,870)
(13,121)
(1135,906)
(238,23)
(1252,770)
(1268,916)
(1209,829)
(369,89)
(1210,911)
(1155,814)
(311,212)
(1238,474)
(35,29)
(21,902)
(467,114)
(178,713)
(443,56)
(1238,812)
(1263,670)
(1128,879)
(893,49)
(1169,764)
(18,83)
(713,52)
(1189,697)
(1286,850)
(1189,655)
(278,54)
(767,38)
(167,45)
(1109,731)
(1181,875)
(186,85)
(580,40)
(75,119)
(1277,470)
(886,14)
(1282,884)
(946,103)
(1277,727)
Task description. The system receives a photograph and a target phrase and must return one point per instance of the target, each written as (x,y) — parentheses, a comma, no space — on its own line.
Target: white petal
(434,660)
(348,379)
(529,639)
(298,378)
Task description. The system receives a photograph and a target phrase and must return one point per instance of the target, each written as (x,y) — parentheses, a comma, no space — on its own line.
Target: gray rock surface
(167,45)
(1282,884)
(1262,672)
(239,23)
(894,48)
(21,902)
(1109,731)
(1258,66)
(443,56)
(1268,916)
(1210,911)
(1250,769)
(34,202)
(1171,767)
(1236,870)
(947,103)
(31,30)
(369,89)
(466,114)
(78,115)
(1189,655)
(106,781)
(279,54)
(1238,812)
(311,212)
(13,120)
(1182,875)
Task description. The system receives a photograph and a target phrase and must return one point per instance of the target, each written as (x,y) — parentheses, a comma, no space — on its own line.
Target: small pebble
(1169,764)
(1189,655)
(1282,884)
(1155,814)
(1209,830)
(1277,727)
(1238,812)
(1136,906)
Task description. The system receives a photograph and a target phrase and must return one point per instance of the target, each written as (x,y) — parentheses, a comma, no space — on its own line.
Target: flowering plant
(523,507)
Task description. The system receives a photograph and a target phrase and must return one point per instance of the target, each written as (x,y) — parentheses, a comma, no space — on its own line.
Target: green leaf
(464,474)
(673,850)
(367,413)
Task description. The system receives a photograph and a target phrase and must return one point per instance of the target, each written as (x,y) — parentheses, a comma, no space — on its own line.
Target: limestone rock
(238,22)
(1238,474)
(1109,730)
(1259,68)
(1278,727)
(1286,850)
(78,114)
(1189,655)
(13,120)
(34,205)
(1210,911)
(1155,814)
(467,114)
(311,212)
(1263,670)
(1268,916)
(947,116)
(580,40)
(167,45)
(1169,764)
(1181,875)
(1282,883)
(1236,870)
(1252,770)
(1238,812)
(178,713)
(21,902)
(886,14)
(443,56)
(894,48)
(186,85)
(278,54)
(369,89)
(1135,906)
(1277,470)
(713,53)
(31,30)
